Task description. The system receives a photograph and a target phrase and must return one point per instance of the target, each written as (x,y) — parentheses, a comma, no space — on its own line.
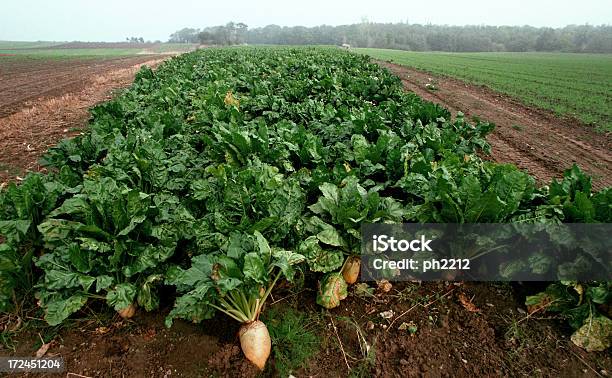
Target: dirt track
(40,104)
(533,139)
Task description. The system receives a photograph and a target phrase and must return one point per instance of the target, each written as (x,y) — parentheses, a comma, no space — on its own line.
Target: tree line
(413,37)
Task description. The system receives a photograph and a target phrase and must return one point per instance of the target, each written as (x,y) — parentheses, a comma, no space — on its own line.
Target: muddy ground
(456,330)
(534,139)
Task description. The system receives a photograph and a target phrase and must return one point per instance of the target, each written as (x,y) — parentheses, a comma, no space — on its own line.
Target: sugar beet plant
(225,170)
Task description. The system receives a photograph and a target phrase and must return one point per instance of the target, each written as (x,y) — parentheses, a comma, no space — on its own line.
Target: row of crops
(227,170)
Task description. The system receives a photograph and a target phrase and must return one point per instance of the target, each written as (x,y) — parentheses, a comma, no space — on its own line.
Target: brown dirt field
(25,80)
(450,341)
(104,45)
(535,140)
(44,102)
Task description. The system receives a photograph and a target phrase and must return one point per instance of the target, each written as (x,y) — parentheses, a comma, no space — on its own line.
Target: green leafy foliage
(582,305)
(222,170)
(107,239)
(22,208)
(236,279)
(339,213)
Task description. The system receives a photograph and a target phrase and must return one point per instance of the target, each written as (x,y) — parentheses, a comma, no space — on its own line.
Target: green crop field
(577,85)
(225,171)
(50,50)
(20,45)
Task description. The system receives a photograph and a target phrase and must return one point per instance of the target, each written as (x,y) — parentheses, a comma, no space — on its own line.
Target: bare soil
(104,45)
(491,337)
(25,80)
(534,139)
(45,100)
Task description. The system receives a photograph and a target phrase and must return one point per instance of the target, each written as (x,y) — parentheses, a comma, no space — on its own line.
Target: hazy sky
(113,20)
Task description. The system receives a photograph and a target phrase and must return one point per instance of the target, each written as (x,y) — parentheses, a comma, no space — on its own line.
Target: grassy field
(578,85)
(19,45)
(84,49)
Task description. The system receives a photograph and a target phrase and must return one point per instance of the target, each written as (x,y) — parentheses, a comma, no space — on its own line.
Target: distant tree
(439,41)
(578,38)
(548,40)
(600,41)
(185,35)
(206,38)
(241,31)
(228,34)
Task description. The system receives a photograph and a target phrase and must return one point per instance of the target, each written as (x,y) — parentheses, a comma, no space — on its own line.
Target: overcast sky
(113,20)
